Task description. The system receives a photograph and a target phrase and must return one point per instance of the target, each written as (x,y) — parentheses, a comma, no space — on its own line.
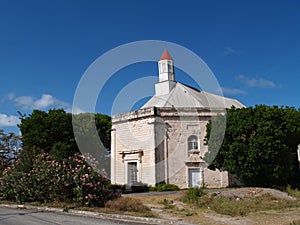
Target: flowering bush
(88,185)
(72,179)
(12,186)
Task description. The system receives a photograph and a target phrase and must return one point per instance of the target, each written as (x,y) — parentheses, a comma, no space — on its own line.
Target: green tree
(47,131)
(259,146)
(88,128)
(103,124)
(52,131)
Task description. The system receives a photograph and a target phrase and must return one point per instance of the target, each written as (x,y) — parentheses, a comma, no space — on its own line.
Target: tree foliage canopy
(260,145)
(52,131)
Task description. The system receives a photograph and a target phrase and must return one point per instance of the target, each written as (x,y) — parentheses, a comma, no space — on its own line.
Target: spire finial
(166,55)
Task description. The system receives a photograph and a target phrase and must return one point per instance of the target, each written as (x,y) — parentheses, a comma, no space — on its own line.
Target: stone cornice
(165,112)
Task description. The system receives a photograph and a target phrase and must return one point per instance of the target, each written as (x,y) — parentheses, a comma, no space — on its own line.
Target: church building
(163,141)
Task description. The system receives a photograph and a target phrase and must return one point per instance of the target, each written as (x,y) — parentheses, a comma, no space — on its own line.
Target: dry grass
(213,209)
(156,198)
(236,207)
(263,209)
(295,222)
(123,205)
(127,205)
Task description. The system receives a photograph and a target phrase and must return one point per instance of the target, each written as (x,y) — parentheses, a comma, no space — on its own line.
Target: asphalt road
(32,217)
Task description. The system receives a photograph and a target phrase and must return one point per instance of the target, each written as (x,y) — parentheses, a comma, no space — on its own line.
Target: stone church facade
(164,140)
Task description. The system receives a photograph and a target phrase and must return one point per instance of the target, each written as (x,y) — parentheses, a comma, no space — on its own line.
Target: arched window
(192,142)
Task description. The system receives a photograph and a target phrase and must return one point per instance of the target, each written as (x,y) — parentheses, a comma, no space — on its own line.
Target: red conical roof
(166,55)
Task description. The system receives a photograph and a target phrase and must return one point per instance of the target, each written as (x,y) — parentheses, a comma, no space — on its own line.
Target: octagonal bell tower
(166,67)
(166,75)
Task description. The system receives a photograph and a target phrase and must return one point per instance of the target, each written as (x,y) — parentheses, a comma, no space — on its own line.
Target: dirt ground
(246,193)
(169,206)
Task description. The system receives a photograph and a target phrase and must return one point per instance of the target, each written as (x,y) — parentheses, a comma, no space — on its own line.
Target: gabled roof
(166,55)
(185,96)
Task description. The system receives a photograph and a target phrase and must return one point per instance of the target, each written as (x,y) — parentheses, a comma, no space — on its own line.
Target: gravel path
(246,193)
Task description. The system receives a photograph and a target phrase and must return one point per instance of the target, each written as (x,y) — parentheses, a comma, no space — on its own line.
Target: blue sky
(252,47)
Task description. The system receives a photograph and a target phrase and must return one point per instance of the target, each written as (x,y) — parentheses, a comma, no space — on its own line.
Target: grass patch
(186,212)
(293,192)
(168,204)
(64,205)
(242,207)
(230,207)
(7,202)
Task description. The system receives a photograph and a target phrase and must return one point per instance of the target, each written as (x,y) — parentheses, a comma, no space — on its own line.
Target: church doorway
(132,173)
(194,177)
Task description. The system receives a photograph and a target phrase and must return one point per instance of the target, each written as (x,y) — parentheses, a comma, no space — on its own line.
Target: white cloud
(46,101)
(231,91)
(8,121)
(24,101)
(257,82)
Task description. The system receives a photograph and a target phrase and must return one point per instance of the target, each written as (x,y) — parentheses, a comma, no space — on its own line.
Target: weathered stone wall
(134,142)
(157,138)
(160,153)
(215,179)
(179,130)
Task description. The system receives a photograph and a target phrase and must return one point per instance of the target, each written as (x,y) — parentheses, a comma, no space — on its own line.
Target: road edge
(115,217)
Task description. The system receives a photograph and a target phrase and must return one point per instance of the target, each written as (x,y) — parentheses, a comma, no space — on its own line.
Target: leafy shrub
(135,188)
(192,195)
(161,187)
(116,187)
(293,192)
(139,187)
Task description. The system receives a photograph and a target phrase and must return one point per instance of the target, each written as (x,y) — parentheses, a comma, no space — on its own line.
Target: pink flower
(89,185)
